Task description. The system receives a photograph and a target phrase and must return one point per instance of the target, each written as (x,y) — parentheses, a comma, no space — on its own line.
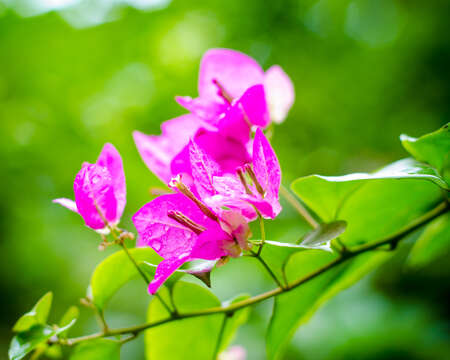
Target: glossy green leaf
(373,205)
(433,243)
(115,271)
(296,307)
(291,307)
(70,316)
(183,338)
(25,342)
(323,234)
(37,315)
(277,256)
(433,148)
(99,349)
(234,321)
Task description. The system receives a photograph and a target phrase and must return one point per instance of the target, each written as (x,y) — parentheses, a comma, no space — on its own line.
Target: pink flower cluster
(221,175)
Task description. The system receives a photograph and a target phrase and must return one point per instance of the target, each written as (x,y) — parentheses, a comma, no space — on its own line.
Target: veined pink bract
(235,96)
(100,190)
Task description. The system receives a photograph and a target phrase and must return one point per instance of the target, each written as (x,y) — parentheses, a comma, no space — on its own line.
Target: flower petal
(267,169)
(159,151)
(110,158)
(94,193)
(235,71)
(67,203)
(211,244)
(254,105)
(226,152)
(206,109)
(234,125)
(204,168)
(163,271)
(280,93)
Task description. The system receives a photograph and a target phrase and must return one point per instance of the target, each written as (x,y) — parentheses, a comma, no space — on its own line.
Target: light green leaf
(373,205)
(277,256)
(115,271)
(433,243)
(25,342)
(99,349)
(235,320)
(182,338)
(433,148)
(37,315)
(297,306)
(69,317)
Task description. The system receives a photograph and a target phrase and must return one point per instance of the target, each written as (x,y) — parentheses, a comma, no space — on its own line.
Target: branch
(348,254)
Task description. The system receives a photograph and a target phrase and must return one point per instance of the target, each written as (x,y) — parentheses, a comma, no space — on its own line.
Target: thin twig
(350,253)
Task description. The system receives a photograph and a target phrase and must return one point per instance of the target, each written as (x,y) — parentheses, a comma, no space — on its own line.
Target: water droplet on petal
(95,179)
(156,245)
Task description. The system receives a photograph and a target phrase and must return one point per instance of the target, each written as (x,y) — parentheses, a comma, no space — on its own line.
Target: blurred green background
(75,74)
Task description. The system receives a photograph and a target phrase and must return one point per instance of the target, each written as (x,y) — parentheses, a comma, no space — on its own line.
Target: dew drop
(156,245)
(95,179)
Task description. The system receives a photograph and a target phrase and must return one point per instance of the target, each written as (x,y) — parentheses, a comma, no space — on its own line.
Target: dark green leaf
(115,271)
(37,315)
(433,243)
(183,338)
(291,307)
(99,349)
(373,205)
(433,148)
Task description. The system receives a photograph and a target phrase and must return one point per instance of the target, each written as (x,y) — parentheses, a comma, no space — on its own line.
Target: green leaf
(291,307)
(37,315)
(99,349)
(234,321)
(69,317)
(115,271)
(297,306)
(26,341)
(277,256)
(177,339)
(433,148)
(373,205)
(433,243)
(323,234)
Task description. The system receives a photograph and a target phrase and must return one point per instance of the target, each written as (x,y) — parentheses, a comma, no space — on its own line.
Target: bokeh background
(75,74)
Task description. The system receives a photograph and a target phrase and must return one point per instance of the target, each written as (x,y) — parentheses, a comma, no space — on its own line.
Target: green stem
(299,207)
(267,267)
(263,233)
(394,238)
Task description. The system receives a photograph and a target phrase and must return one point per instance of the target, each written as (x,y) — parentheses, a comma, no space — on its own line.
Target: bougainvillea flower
(225,75)
(179,230)
(100,191)
(260,191)
(158,151)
